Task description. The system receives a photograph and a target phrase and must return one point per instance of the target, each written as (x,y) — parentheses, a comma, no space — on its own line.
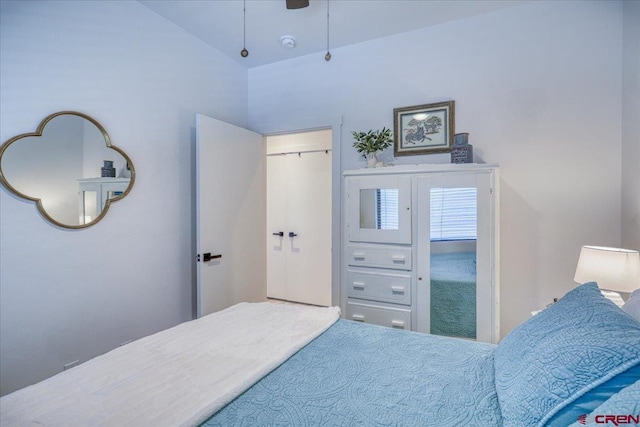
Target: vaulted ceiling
(219,23)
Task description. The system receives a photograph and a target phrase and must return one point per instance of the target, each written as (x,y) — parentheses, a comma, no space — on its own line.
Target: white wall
(537,86)
(631,126)
(71,295)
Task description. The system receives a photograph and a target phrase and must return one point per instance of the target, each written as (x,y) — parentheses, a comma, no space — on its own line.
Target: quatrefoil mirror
(68,167)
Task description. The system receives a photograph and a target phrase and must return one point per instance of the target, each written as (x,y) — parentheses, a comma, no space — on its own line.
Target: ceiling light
(288,41)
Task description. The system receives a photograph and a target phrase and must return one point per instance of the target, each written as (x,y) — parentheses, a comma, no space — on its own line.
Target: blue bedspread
(365,375)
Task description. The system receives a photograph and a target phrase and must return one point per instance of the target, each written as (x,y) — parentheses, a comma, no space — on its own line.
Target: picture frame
(424,129)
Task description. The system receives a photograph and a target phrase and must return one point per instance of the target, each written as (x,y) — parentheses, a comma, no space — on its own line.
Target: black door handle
(292,234)
(279,233)
(208,257)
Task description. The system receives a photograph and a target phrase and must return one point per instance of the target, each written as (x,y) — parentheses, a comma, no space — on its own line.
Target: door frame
(335,124)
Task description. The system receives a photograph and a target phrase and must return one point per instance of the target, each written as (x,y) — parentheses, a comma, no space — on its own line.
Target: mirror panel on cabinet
(453,229)
(379,209)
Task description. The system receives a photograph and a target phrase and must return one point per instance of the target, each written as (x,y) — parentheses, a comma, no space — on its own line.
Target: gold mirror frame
(38,133)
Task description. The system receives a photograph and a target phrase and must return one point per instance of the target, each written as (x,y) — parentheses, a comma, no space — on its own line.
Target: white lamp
(612,268)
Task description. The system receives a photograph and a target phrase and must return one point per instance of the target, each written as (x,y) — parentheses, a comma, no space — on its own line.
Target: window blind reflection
(454,214)
(387,209)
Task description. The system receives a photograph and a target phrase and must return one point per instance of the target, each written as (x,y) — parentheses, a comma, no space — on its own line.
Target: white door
(230,215)
(299,207)
(277,231)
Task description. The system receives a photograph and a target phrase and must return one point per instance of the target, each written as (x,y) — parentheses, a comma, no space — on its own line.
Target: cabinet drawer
(394,288)
(384,316)
(396,257)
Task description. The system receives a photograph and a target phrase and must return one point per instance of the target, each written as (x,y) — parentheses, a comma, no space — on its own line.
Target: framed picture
(424,129)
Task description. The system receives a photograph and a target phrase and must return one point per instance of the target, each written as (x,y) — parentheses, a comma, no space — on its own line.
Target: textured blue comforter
(364,375)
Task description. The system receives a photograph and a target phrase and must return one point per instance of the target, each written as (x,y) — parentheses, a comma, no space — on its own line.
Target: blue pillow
(566,351)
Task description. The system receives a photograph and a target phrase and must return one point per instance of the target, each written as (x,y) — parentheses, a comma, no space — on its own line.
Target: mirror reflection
(379,208)
(68,167)
(453,228)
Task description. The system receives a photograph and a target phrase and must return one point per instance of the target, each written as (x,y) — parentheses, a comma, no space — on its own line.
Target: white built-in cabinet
(94,193)
(422,249)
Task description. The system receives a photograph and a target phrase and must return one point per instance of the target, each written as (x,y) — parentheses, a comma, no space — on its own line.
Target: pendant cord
(327,57)
(244,52)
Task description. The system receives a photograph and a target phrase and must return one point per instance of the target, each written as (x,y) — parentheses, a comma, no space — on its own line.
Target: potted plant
(369,143)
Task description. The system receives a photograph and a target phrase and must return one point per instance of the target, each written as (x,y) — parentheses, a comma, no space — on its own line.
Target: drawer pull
(397,289)
(398,258)
(358,255)
(358,317)
(398,324)
(358,286)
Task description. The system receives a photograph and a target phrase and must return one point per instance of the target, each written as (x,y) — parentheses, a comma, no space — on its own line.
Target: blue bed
(453,294)
(359,374)
(574,362)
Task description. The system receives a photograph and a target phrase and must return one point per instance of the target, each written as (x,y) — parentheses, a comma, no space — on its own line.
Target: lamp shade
(612,268)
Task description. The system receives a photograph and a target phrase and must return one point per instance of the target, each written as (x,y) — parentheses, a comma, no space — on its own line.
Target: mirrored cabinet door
(379,209)
(454,255)
(452,280)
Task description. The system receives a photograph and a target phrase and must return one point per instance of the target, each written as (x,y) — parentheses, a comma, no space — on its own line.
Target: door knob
(279,233)
(292,234)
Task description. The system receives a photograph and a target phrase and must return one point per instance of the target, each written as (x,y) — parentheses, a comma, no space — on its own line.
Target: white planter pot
(372,160)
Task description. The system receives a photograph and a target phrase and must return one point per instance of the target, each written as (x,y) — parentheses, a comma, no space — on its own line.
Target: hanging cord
(244,52)
(327,57)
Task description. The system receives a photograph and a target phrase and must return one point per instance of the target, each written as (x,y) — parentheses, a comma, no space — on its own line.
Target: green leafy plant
(372,141)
